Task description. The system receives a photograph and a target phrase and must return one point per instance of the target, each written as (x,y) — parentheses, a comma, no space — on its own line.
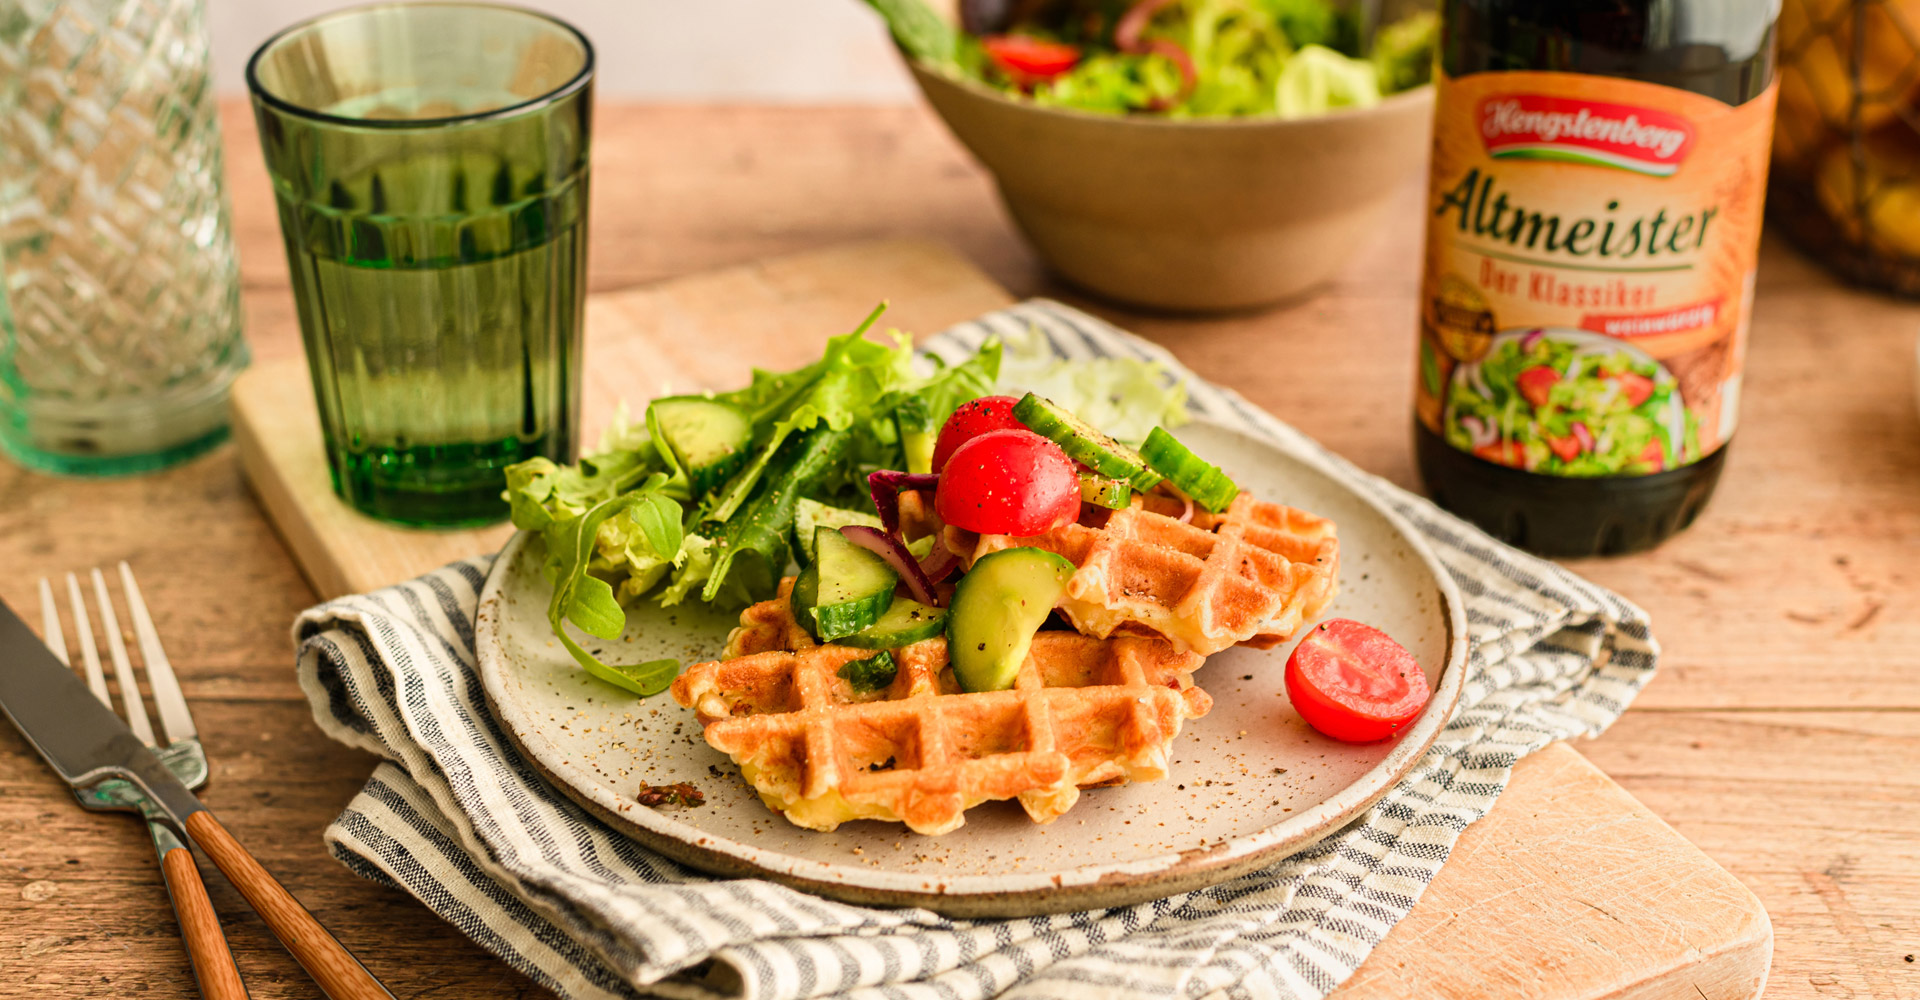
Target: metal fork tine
(50,624)
(122,667)
(89,655)
(175,720)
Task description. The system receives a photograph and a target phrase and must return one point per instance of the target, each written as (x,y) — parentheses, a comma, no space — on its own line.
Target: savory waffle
(1253,574)
(1082,712)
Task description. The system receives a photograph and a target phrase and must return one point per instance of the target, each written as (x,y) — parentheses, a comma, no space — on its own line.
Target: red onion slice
(940,562)
(1132,24)
(1584,435)
(1172,50)
(1186,515)
(890,548)
(884,485)
(1127,38)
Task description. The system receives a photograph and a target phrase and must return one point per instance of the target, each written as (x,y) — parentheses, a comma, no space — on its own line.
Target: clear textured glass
(430,165)
(120,309)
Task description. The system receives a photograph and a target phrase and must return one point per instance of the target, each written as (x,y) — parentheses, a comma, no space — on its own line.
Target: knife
(83,741)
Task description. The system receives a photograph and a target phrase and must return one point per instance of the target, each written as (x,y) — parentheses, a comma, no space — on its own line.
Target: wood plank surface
(1781,736)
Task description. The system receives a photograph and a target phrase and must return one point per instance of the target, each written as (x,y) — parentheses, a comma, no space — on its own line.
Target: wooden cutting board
(1569,890)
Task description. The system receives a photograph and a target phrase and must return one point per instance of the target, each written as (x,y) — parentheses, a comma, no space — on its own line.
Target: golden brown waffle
(1253,574)
(1082,712)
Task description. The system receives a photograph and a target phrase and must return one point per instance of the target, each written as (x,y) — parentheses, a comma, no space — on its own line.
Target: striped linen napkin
(455,816)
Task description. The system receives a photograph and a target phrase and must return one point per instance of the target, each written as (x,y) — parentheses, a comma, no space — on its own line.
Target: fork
(213,964)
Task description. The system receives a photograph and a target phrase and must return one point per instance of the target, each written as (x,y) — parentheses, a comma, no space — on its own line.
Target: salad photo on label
(1570,403)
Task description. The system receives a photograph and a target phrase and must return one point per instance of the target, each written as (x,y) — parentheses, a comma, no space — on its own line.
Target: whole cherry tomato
(1353,682)
(1008,482)
(974,418)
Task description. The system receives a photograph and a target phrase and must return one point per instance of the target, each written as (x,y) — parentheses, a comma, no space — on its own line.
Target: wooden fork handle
(200,928)
(339,975)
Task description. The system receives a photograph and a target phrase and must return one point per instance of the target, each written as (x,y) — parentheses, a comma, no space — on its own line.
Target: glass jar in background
(430,166)
(120,305)
(1846,143)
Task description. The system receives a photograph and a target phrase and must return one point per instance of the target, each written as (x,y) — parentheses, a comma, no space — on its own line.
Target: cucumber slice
(811,514)
(905,622)
(1084,443)
(707,438)
(855,586)
(918,433)
(1113,494)
(1196,477)
(806,594)
(997,607)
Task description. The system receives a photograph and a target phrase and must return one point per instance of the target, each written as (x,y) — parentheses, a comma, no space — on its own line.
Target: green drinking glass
(430,165)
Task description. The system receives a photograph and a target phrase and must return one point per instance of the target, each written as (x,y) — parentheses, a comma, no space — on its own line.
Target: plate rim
(1028,893)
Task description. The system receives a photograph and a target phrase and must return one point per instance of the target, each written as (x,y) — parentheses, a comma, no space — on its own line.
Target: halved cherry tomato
(1565,448)
(974,418)
(1635,387)
(1011,482)
(1024,57)
(1353,682)
(1536,383)
(1503,452)
(1653,455)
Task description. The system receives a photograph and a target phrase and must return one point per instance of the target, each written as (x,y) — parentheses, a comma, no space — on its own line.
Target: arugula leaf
(588,601)
(919,410)
(925,405)
(761,528)
(840,388)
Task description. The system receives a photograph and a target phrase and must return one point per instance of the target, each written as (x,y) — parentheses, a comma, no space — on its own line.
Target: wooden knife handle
(332,966)
(200,928)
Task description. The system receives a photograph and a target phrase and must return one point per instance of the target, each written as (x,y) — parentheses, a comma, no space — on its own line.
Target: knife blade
(80,738)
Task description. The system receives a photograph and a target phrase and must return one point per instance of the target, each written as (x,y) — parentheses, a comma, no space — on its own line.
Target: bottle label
(1589,269)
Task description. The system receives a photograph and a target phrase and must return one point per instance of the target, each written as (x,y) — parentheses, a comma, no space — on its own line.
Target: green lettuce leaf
(921,409)
(588,601)
(1317,80)
(1124,397)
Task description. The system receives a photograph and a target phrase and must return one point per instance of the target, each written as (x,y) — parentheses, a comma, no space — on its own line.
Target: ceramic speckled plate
(1250,782)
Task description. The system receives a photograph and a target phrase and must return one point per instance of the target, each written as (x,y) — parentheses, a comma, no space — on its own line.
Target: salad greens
(1121,396)
(1561,406)
(1180,58)
(625,524)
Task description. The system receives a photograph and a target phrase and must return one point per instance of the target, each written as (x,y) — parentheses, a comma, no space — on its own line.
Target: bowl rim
(1393,102)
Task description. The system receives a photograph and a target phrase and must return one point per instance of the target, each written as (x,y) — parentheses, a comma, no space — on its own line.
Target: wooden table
(1780,736)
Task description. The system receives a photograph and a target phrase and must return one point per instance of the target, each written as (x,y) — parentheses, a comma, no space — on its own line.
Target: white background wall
(819,51)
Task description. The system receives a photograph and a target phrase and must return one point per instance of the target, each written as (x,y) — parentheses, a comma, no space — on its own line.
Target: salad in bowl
(1177,58)
(1570,403)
